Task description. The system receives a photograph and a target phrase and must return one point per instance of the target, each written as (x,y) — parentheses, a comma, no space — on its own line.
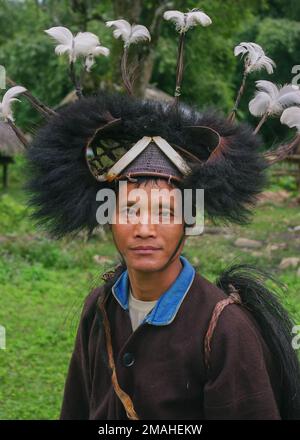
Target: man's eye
(166,213)
(129,211)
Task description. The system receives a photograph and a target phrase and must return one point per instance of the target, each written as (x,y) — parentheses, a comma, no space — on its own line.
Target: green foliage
(279,9)
(10,209)
(284,182)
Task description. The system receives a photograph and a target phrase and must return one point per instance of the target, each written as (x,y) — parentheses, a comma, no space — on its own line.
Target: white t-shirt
(138,309)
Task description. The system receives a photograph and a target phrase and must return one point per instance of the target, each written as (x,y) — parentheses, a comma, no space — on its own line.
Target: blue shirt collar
(168,303)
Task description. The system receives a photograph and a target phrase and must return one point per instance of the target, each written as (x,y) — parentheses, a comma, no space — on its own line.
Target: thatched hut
(9,147)
(151,92)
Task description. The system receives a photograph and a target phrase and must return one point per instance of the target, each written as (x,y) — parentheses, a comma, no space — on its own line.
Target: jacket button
(128,359)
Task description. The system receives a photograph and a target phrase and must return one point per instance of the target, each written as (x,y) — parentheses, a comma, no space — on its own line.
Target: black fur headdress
(63,189)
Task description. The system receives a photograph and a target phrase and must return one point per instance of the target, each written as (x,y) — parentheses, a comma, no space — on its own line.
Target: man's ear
(185,229)
(107,227)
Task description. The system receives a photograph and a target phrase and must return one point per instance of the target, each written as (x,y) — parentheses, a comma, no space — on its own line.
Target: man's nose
(145,228)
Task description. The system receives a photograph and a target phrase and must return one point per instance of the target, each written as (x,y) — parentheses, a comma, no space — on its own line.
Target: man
(158,313)
(158,340)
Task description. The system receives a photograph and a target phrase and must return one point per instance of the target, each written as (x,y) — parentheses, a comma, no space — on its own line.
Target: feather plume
(254,57)
(291,117)
(272,99)
(185,20)
(65,37)
(130,34)
(95,51)
(8,98)
(84,44)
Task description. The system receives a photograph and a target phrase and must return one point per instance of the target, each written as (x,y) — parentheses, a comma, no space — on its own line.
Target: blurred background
(43,282)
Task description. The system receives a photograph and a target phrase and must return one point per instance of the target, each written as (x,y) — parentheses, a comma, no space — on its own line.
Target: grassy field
(43,284)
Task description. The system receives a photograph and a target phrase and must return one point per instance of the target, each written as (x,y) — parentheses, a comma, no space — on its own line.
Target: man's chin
(145,263)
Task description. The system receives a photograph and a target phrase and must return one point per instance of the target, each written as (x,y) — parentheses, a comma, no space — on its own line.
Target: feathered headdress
(98,140)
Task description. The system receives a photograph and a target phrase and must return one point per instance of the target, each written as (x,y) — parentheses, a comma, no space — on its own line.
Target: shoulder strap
(124,397)
(109,274)
(233,298)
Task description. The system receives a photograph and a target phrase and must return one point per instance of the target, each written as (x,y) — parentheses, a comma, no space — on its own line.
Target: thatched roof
(9,143)
(156,94)
(152,92)
(68,99)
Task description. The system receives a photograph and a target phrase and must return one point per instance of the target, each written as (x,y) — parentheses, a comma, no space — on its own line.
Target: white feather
(83,44)
(263,62)
(130,34)
(255,57)
(61,34)
(90,59)
(88,45)
(139,33)
(184,21)
(61,49)
(8,98)
(252,49)
(65,37)
(89,62)
(291,117)
(197,17)
(176,17)
(273,99)
(289,95)
(259,105)
(100,50)
(267,87)
(122,28)
(240,49)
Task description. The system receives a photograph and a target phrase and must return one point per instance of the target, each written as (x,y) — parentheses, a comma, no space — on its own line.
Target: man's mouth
(145,249)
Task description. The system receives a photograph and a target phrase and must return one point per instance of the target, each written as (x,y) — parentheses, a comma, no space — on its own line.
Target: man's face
(147,245)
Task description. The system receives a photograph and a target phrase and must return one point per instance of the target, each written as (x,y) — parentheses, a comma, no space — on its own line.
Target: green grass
(43,284)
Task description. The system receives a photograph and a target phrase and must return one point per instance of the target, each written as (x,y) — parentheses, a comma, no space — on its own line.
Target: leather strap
(124,397)
(233,298)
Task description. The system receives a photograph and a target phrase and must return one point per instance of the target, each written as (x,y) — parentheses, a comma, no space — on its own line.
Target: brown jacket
(162,368)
